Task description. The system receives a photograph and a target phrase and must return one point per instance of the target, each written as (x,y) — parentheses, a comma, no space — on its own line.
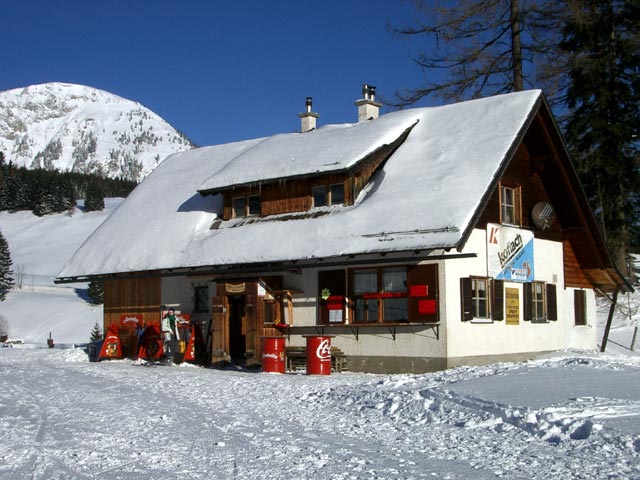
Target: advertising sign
(512,296)
(509,253)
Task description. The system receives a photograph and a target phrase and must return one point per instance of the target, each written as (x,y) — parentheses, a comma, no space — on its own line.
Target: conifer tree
(6,273)
(603,41)
(96,292)
(96,333)
(94,199)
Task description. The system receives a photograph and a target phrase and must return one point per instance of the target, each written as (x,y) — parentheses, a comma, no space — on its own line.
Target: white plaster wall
(304,304)
(477,339)
(180,290)
(581,337)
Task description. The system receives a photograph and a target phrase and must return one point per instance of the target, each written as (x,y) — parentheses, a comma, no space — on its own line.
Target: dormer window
(336,194)
(509,205)
(246,206)
(319,194)
(324,195)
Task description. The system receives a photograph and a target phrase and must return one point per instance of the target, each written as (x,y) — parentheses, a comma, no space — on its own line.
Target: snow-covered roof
(328,149)
(424,197)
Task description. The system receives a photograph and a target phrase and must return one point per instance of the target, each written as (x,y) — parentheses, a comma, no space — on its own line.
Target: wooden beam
(612,308)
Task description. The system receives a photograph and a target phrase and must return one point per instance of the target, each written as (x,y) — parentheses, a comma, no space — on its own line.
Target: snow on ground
(570,416)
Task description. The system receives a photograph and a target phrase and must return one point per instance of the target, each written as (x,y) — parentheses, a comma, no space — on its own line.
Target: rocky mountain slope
(79,128)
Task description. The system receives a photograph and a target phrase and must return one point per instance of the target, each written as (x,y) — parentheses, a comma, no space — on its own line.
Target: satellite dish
(543,215)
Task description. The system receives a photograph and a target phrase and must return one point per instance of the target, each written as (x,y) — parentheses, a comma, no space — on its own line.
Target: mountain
(79,128)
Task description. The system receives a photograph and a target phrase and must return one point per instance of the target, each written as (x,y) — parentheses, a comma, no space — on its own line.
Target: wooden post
(612,308)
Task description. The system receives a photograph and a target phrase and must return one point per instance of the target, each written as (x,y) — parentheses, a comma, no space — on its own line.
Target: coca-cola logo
(323,352)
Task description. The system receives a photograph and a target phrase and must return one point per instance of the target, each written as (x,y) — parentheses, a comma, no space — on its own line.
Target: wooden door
(219,329)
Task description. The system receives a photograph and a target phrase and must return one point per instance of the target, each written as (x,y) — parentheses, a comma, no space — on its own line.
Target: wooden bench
(297,359)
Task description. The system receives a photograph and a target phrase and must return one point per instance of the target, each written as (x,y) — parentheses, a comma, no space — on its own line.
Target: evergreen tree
(94,199)
(96,333)
(603,41)
(96,292)
(6,273)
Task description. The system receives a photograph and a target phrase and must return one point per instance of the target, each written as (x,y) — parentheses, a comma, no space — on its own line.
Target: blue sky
(220,71)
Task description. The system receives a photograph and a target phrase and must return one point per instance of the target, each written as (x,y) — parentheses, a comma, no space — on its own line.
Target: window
(254,205)
(324,195)
(201,297)
(482,299)
(540,303)
(332,291)
(246,206)
(319,194)
(336,194)
(239,206)
(537,299)
(580,307)
(509,205)
(380,295)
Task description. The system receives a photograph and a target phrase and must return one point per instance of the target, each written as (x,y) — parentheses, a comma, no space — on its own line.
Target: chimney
(308,118)
(368,108)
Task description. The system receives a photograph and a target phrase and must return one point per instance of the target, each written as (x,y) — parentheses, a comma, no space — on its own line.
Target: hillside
(39,248)
(83,129)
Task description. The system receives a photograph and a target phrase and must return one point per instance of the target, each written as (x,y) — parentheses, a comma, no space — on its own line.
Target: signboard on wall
(509,253)
(512,299)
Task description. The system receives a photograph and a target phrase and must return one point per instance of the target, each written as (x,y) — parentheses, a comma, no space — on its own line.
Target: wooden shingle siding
(573,274)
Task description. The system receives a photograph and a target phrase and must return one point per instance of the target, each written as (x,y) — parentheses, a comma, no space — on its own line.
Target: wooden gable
(541,168)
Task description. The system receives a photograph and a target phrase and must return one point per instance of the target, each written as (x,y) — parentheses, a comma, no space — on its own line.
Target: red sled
(112,345)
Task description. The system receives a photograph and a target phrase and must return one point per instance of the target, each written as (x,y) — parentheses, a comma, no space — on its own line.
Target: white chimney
(308,118)
(368,108)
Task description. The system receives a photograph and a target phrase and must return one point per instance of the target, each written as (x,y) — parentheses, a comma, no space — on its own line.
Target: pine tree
(603,41)
(6,273)
(96,292)
(94,198)
(96,333)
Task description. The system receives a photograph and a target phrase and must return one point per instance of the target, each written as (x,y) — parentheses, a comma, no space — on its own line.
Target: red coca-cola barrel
(318,355)
(273,355)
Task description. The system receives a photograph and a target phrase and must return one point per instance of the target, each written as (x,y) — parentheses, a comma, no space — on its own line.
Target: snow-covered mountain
(79,128)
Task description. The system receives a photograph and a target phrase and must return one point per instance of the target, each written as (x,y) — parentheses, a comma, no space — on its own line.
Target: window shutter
(552,303)
(517,202)
(579,307)
(527,292)
(465,289)
(497,308)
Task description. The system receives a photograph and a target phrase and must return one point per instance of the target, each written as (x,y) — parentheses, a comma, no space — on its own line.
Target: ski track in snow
(65,418)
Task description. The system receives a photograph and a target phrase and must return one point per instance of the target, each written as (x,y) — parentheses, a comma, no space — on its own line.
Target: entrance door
(237,341)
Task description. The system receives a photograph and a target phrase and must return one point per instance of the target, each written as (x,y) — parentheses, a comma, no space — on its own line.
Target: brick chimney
(308,118)
(368,108)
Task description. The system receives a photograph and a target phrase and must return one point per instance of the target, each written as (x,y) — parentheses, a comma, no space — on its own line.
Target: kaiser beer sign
(509,253)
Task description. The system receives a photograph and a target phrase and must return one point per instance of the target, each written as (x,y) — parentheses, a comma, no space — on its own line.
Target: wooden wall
(573,274)
(523,171)
(131,296)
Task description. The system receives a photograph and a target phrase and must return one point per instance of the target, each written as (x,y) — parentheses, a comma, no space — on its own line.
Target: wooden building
(418,240)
